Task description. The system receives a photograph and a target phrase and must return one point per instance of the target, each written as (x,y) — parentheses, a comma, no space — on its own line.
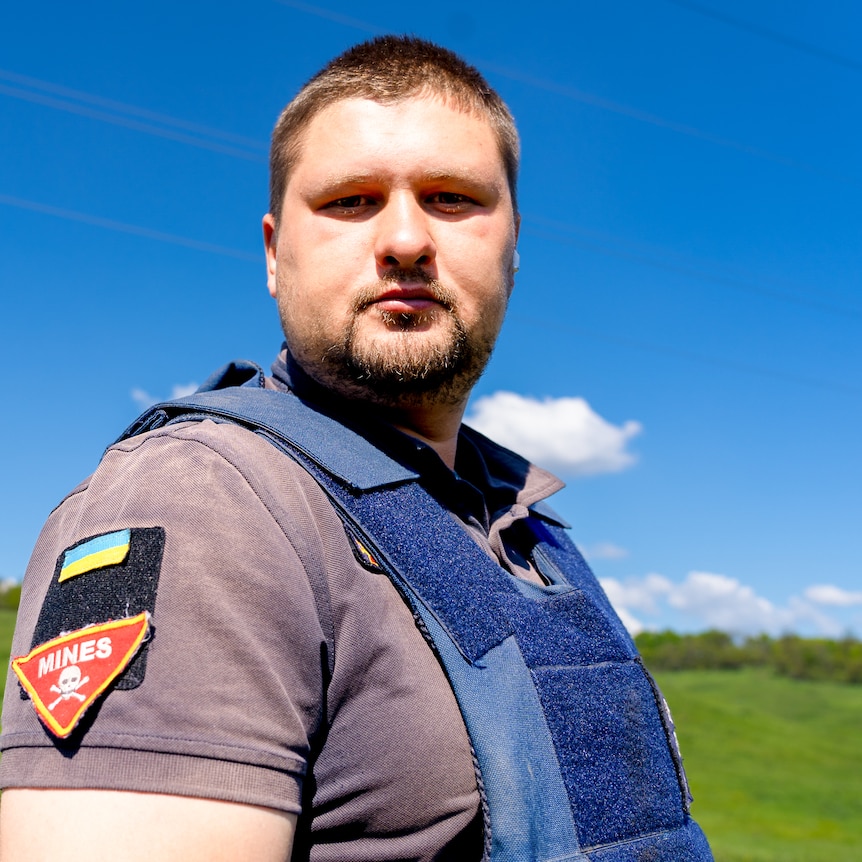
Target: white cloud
(640,594)
(724,603)
(827,594)
(144,400)
(180,390)
(562,434)
(705,600)
(636,594)
(604,551)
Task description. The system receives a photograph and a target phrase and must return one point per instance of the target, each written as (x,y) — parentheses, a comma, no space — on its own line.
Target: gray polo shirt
(280,668)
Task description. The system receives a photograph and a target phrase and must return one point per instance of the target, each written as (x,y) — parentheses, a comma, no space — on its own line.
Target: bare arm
(113,826)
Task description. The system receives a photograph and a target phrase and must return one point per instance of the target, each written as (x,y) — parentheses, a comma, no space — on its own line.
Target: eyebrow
(469,177)
(335,180)
(463,176)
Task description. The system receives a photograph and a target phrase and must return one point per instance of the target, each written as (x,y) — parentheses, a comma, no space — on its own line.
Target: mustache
(369,294)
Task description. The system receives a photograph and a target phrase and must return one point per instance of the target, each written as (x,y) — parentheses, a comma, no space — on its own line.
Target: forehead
(424,133)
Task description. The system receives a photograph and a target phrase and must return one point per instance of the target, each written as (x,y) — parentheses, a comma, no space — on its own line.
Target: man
(223,646)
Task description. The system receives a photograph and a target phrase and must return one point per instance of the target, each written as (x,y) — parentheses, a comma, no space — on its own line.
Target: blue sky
(684,340)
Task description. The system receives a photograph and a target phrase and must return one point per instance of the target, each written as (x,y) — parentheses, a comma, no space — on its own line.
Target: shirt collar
(488,478)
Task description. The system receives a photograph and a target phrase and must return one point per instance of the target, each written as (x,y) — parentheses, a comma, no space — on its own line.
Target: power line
(128,122)
(600,102)
(134,110)
(181,137)
(680,269)
(664,350)
(205,137)
(596,101)
(229,150)
(635,257)
(337,18)
(772,35)
(197,245)
(124,227)
(640,259)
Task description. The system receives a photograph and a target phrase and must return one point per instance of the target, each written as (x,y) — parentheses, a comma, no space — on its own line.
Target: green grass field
(775,765)
(7,627)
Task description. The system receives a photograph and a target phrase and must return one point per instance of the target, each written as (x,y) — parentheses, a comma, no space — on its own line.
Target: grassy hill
(775,764)
(7,627)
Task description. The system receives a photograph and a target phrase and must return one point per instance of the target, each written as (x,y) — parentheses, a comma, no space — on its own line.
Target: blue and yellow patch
(99,579)
(109,549)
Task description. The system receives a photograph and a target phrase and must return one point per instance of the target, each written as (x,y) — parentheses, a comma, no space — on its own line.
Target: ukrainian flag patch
(109,549)
(99,580)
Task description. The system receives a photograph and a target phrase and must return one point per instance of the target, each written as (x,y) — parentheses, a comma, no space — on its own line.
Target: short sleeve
(207,532)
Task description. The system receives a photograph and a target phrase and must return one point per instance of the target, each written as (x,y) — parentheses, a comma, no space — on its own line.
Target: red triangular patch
(65,675)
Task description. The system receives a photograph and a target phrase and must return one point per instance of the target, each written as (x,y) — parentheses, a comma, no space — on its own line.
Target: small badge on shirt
(363,556)
(64,676)
(109,549)
(111,576)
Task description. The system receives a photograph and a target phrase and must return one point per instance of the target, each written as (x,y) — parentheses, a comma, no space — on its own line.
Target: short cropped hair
(388,69)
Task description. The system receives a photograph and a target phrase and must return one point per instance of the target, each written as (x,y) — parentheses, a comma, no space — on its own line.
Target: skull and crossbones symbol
(69,682)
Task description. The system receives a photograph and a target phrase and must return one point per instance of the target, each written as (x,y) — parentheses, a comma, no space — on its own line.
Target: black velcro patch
(112,592)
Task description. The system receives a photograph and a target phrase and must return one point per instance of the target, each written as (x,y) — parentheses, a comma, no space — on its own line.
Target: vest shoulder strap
(575,757)
(236,394)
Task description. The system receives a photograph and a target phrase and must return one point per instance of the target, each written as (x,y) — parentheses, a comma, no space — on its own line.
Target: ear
(270,245)
(516,258)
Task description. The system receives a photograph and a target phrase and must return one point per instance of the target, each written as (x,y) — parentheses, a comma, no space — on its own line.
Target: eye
(349,205)
(452,202)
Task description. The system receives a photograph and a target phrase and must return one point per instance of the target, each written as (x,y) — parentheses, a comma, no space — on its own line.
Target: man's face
(392,263)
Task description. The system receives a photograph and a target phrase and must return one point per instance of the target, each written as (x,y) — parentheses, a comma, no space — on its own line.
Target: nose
(403,237)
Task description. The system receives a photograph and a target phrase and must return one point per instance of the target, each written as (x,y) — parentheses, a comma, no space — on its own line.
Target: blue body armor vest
(575,752)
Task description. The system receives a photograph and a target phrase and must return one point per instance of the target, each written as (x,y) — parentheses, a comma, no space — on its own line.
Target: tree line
(10,597)
(788,655)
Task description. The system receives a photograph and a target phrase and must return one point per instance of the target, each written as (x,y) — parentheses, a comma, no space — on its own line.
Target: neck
(437,427)
(435,424)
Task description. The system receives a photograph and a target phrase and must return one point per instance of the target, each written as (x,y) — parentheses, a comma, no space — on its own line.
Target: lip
(406,299)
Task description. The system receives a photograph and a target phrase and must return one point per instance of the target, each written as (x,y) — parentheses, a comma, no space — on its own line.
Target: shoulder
(226,474)
(197,448)
(191,521)
(225,508)
(203,529)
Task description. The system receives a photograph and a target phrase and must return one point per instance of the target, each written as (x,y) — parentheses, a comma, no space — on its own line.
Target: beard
(426,357)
